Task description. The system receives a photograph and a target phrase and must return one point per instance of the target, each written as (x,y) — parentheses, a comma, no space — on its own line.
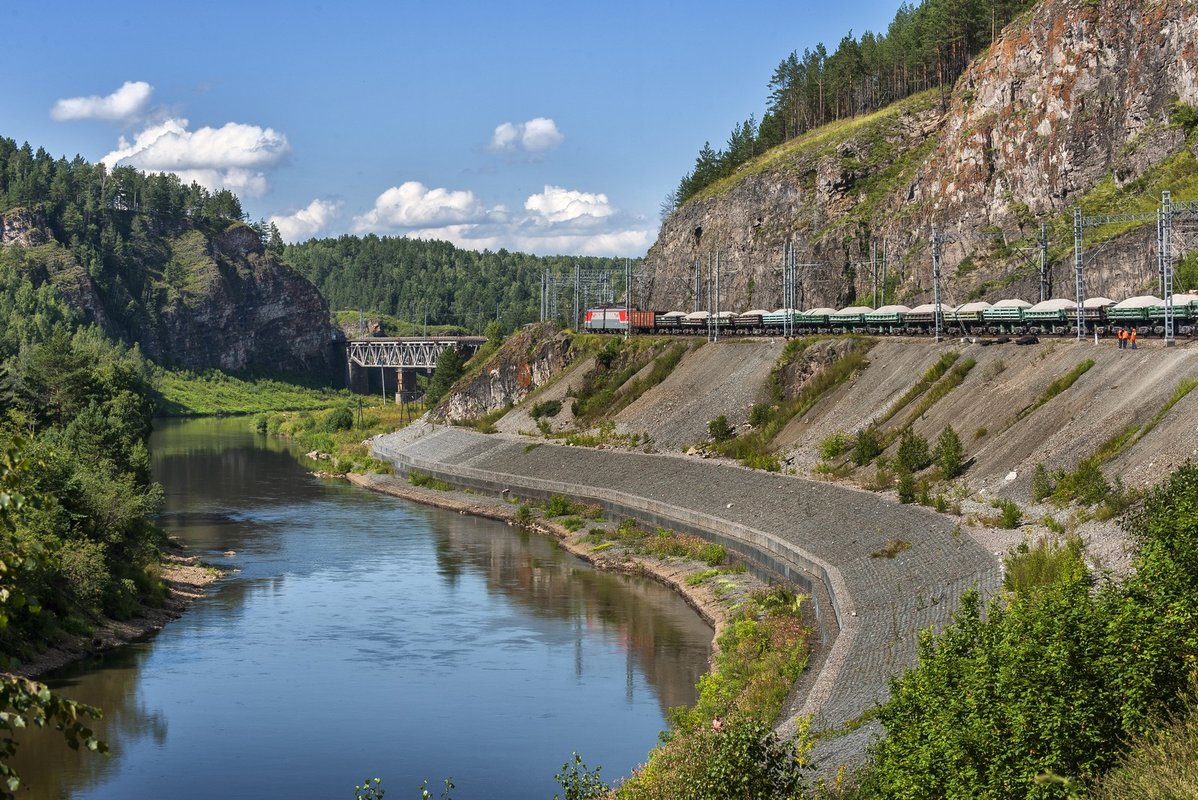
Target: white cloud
(555,205)
(228,157)
(534,136)
(413,204)
(125,103)
(307,222)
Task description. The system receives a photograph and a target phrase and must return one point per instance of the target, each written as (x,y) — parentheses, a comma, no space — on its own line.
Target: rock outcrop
(1075,100)
(527,360)
(219,300)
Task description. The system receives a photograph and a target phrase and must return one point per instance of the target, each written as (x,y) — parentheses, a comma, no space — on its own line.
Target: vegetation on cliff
(925,46)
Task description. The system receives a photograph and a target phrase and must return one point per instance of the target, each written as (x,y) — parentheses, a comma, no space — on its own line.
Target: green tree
(719,429)
(949,454)
(913,451)
(450,367)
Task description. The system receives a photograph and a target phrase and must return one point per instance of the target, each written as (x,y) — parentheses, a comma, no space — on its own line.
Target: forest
(436,283)
(926,46)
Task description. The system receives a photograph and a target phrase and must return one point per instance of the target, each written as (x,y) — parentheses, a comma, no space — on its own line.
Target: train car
(887,319)
(969,317)
(669,322)
(777,321)
(815,319)
(643,321)
(1133,311)
(1051,316)
(922,318)
(1185,315)
(1006,316)
(849,319)
(696,321)
(752,321)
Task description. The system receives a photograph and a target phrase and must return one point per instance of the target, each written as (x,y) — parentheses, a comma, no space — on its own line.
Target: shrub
(1043,564)
(913,451)
(713,554)
(1042,485)
(949,455)
(573,524)
(560,506)
(906,487)
(523,514)
(549,408)
(1009,514)
(759,415)
(835,446)
(867,446)
(337,419)
(719,429)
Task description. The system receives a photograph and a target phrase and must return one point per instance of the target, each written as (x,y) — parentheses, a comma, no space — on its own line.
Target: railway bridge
(398,360)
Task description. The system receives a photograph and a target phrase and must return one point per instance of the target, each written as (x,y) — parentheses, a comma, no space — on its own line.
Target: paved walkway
(880,604)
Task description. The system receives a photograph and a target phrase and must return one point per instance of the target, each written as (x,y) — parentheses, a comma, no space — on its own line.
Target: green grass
(1056,387)
(925,382)
(1042,564)
(954,378)
(187,394)
(753,447)
(428,482)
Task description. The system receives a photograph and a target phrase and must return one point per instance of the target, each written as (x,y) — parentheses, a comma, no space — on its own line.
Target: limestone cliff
(215,300)
(1074,103)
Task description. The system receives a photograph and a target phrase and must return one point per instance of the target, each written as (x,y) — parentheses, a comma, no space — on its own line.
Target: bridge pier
(390,365)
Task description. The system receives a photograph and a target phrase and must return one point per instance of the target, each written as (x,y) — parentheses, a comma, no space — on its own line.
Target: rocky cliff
(527,360)
(215,300)
(1077,102)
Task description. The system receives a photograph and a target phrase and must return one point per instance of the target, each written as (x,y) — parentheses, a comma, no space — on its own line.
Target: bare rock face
(527,360)
(222,302)
(1072,94)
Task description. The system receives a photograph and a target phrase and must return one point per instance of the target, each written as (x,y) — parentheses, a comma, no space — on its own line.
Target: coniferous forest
(926,46)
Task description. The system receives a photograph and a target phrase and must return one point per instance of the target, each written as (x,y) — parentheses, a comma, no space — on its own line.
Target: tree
(949,455)
(24,701)
(450,367)
(913,451)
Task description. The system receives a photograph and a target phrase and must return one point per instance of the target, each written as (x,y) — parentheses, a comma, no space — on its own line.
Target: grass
(1056,387)
(891,549)
(753,447)
(954,378)
(1042,564)
(428,482)
(188,394)
(925,382)
(349,454)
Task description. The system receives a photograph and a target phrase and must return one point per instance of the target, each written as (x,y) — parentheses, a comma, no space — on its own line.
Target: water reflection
(366,635)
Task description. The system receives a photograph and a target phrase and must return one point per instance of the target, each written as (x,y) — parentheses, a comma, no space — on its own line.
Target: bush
(549,408)
(835,446)
(1042,485)
(906,487)
(949,455)
(1009,514)
(759,415)
(719,429)
(913,451)
(867,446)
(337,419)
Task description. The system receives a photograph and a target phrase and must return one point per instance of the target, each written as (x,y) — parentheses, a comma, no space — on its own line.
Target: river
(364,636)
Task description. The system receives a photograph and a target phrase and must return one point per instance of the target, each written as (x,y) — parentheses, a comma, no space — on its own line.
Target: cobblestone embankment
(834,539)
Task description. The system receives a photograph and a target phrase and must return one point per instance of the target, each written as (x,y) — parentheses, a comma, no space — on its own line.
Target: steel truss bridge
(409,352)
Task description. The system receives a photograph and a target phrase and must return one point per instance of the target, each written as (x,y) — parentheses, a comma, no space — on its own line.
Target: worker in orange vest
(1132,336)
(1121,335)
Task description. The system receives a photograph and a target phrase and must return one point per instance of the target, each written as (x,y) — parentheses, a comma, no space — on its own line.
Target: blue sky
(551,128)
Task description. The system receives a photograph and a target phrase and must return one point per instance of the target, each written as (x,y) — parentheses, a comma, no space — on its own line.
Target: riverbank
(187,579)
(714,605)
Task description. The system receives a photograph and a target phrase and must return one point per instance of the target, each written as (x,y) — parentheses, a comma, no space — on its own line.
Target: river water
(365,636)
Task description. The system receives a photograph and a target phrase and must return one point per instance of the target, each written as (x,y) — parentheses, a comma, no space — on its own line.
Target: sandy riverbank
(187,580)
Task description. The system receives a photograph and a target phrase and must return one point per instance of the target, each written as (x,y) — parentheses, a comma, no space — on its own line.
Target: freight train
(1100,315)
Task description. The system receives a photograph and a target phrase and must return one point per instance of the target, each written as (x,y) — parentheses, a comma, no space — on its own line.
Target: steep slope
(1076,102)
(209,299)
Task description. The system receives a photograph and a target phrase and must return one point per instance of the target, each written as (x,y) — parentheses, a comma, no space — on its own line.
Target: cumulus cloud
(127,102)
(307,222)
(534,136)
(413,205)
(556,205)
(229,157)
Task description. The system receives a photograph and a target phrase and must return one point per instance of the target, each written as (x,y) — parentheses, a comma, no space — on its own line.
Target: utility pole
(1079,229)
(1166,257)
(936,244)
(1045,287)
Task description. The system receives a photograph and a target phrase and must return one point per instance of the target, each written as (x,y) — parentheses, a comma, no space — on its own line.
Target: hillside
(168,267)
(1075,103)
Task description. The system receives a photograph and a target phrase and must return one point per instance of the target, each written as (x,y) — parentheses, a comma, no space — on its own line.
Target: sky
(553,128)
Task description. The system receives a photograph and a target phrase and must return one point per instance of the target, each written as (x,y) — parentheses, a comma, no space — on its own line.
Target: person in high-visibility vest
(1121,335)
(1132,336)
